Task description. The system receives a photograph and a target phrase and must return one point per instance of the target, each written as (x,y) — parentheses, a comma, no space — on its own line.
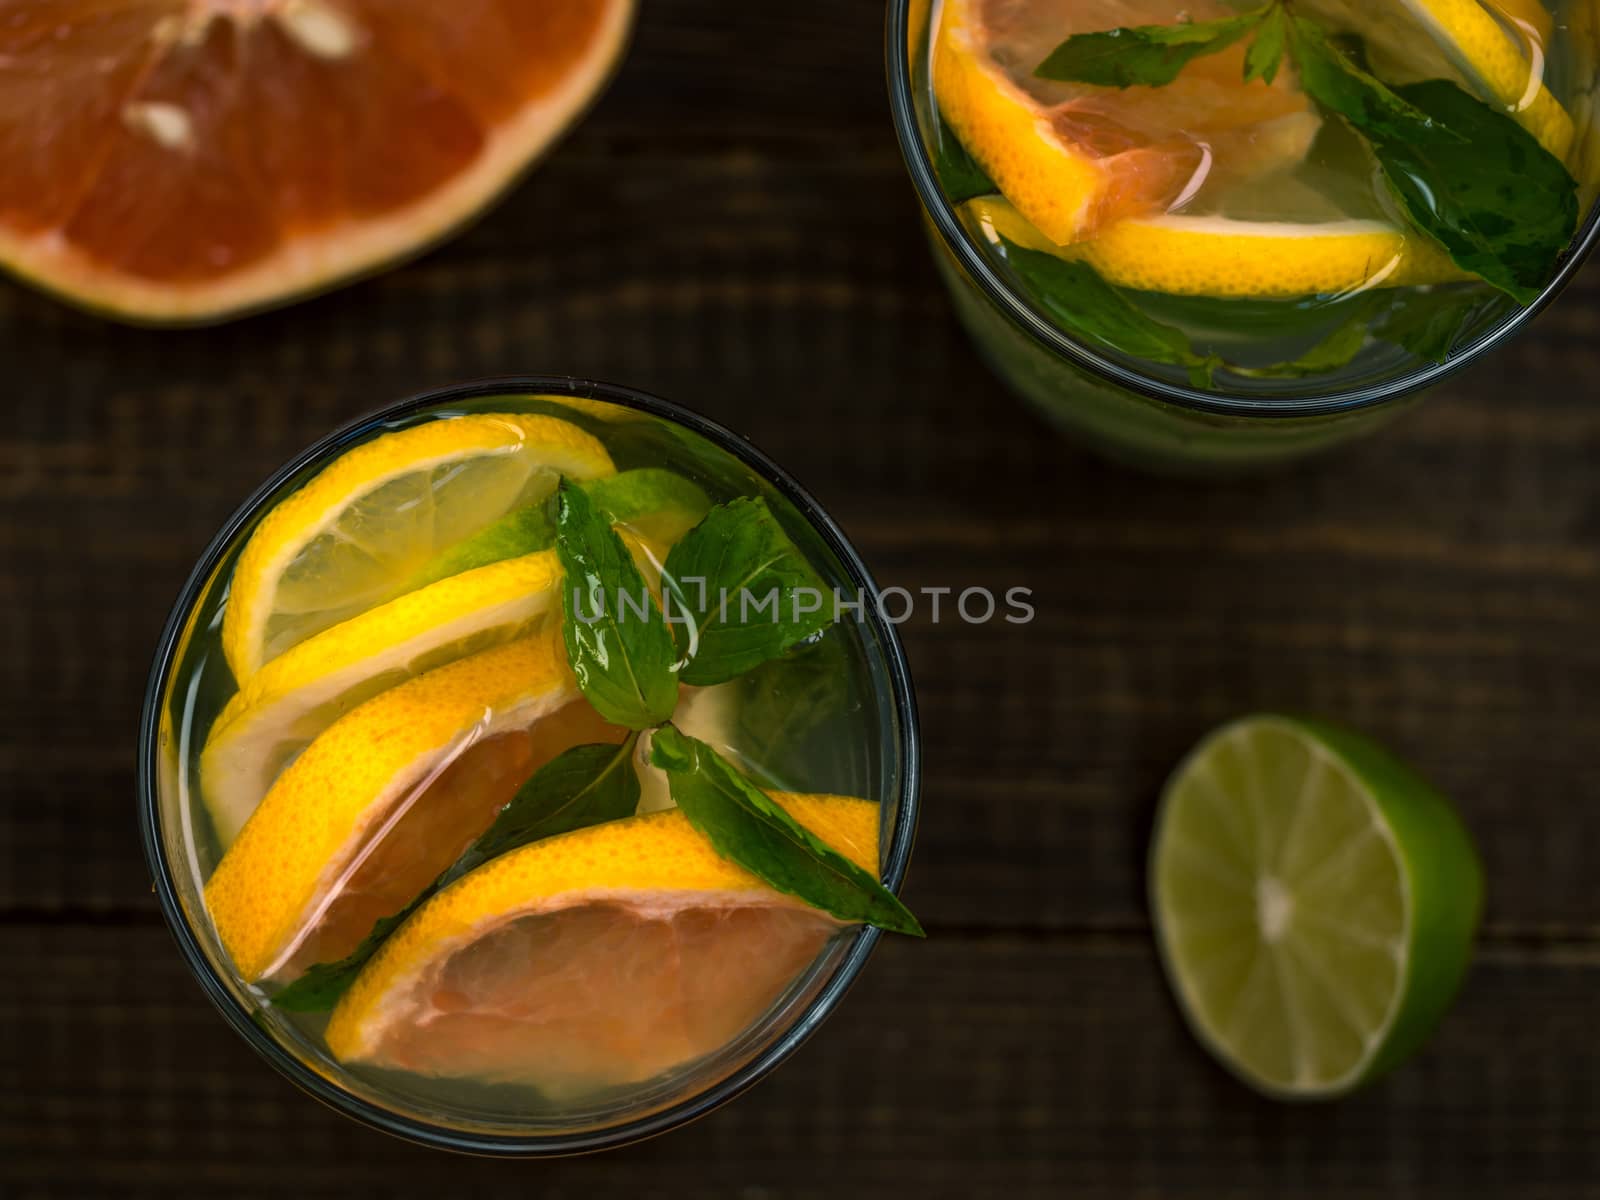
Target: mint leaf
(586,785)
(746,826)
(319,989)
(1339,85)
(618,643)
(1499,202)
(659,501)
(1265,55)
(747,592)
(1086,305)
(522,531)
(583,786)
(1338,349)
(1429,323)
(649,497)
(960,176)
(1471,178)
(1147,55)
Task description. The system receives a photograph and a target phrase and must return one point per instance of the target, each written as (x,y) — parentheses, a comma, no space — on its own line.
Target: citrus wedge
(1217,256)
(601,957)
(362,529)
(183,160)
(1495,50)
(297,695)
(388,797)
(1315,904)
(1075,158)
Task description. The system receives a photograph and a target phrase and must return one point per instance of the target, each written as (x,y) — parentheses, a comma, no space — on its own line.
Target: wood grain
(729,232)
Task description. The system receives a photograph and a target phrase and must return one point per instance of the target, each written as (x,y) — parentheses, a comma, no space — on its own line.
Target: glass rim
(1033,323)
(508,1145)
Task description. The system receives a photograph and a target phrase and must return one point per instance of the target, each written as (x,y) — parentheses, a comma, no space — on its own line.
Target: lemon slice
(297,695)
(386,798)
(601,957)
(1498,55)
(1315,904)
(1225,258)
(1075,158)
(352,537)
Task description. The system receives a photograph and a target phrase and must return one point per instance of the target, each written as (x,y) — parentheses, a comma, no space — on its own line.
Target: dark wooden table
(732,228)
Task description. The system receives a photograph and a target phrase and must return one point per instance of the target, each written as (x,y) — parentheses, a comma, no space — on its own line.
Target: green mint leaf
(1429,323)
(586,785)
(1469,177)
(1502,205)
(660,503)
(654,501)
(1265,55)
(1147,55)
(319,989)
(1338,349)
(742,593)
(746,826)
(522,531)
(1086,305)
(583,786)
(618,643)
(1338,84)
(960,176)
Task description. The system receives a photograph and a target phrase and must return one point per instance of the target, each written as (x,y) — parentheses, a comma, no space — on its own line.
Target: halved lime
(1314,901)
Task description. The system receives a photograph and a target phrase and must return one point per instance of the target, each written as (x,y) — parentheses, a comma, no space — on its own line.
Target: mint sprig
(1262,59)
(628,667)
(748,827)
(1468,176)
(586,785)
(1502,206)
(1144,55)
(1080,300)
(745,592)
(961,177)
(618,643)
(644,494)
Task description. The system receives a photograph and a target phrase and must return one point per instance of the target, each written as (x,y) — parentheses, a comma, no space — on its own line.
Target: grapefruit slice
(186,160)
(1180,255)
(359,532)
(601,957)
(297,695)
(1074,158)
(386,799)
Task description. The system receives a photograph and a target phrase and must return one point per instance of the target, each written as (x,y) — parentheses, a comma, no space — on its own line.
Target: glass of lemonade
(1203,237)
(413,830)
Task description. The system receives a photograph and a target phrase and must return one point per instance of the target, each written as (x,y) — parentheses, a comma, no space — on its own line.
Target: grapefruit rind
(300,840)
(1218,257)
(317,262)
(548,442)
(649,863)
(293,698)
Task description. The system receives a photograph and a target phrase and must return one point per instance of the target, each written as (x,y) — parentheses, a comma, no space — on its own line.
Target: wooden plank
(1438,587)
(955,1067)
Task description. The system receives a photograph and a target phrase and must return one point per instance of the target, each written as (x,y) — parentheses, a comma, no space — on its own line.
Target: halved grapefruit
(186,160)
(601,957)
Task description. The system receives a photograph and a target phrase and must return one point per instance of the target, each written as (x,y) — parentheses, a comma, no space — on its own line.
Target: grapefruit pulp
(185,160)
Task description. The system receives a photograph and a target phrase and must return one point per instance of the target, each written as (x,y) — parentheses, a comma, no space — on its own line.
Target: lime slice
(1315,904)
